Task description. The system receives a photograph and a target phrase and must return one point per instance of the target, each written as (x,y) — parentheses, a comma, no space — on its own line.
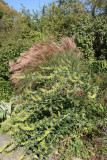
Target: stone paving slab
(17,154)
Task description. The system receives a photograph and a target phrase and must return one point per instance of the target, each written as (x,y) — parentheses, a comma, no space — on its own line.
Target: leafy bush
(97,66)
(62,104)
(8,53)
(101,80)
(6,89)
(11,51)
(91,36)
(28,33)
(1,14)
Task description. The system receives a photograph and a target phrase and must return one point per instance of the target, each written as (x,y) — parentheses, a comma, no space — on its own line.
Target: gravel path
(15,155)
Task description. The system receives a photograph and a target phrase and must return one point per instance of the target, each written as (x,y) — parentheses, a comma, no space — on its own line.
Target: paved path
(15,155)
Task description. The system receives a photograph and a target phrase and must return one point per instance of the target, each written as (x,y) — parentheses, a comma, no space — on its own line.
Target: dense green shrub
(11,51)
(1,14)
(6,89)
(62,104)
(100,79)
(8,53)
(28,33)
(97,66)
(91,36)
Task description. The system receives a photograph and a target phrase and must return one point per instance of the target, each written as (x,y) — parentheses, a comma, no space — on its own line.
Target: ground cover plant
(62,108)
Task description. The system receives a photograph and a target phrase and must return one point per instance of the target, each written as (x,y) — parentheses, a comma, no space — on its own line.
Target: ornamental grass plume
(38,54)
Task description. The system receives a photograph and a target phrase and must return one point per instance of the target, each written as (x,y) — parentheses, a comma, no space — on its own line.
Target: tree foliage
(97,6)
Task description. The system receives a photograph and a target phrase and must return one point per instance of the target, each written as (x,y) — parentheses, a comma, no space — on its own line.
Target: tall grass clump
(29,61)
(58,108)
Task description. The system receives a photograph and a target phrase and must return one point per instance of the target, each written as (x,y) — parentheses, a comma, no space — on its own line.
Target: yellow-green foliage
(64,104)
